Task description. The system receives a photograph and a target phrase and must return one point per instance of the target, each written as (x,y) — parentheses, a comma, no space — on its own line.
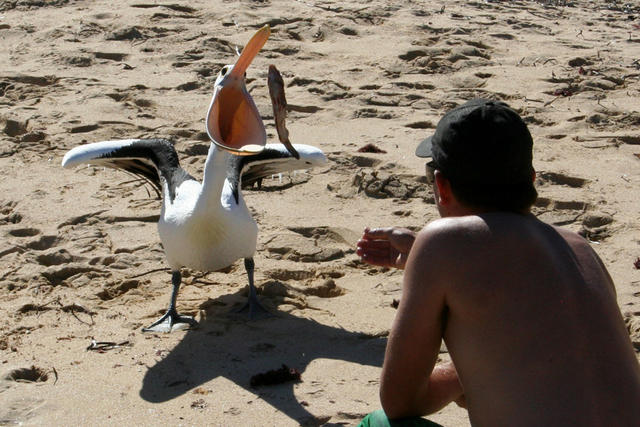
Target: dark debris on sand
(370,148)
(276,376)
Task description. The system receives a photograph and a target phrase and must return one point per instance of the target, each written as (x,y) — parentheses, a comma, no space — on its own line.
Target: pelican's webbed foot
(252,306)
(171,321)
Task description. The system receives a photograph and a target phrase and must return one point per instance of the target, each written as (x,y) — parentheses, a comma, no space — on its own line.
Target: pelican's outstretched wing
(272,160)
(154,160)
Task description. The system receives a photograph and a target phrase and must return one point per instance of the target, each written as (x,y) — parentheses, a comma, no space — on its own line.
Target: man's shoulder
(445,238)
(455,227)
(499,228)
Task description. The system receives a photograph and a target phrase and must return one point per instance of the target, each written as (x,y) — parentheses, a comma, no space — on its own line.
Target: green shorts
(379,419)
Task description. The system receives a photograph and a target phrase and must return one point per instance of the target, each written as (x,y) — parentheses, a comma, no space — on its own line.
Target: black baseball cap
(481,140)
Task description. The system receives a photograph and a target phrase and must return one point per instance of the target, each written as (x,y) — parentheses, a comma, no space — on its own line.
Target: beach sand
(80,258)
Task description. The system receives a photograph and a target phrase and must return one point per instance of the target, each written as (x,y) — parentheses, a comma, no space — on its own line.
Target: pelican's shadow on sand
(239,349)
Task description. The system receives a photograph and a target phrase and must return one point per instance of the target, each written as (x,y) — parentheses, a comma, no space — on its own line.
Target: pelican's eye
(224,70)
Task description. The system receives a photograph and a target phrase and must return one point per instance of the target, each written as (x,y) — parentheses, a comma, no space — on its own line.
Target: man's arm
(410,386)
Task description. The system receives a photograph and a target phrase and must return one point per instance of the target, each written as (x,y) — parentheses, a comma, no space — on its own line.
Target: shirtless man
(527,310)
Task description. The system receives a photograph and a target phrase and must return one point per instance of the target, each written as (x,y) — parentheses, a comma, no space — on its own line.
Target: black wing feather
(151,159)
(245,170)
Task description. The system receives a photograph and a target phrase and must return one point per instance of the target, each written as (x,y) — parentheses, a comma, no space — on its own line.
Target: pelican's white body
(203,228)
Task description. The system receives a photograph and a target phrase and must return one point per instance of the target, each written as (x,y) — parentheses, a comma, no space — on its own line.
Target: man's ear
(443,187)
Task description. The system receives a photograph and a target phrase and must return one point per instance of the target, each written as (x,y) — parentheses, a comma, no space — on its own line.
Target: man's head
(484,149)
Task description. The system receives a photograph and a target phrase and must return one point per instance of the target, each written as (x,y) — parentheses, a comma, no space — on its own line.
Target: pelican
(206,225)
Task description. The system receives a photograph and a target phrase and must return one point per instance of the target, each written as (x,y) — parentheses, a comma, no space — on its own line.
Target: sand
(80,260)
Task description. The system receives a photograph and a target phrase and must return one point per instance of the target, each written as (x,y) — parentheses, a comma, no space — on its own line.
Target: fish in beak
(279,103)
(233,121)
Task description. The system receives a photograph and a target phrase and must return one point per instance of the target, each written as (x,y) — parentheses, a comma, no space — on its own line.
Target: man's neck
(462,210)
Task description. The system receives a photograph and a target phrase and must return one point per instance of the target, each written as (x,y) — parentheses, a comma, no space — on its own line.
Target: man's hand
(386,247)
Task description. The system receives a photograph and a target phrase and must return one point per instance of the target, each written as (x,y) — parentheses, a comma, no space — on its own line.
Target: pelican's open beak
(233,121)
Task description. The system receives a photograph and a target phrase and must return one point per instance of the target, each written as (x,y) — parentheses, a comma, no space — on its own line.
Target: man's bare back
(532,324)
(528,311)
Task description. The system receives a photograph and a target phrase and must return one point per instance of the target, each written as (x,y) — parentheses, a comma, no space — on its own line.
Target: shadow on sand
(230,346)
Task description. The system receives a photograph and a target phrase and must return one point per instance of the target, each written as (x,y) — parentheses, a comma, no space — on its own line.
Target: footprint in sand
(22,410)
(538,122)
(31,375)
(81,61)
(616,121)
(283,51)
(116,289)
(8,215)
(288,274)
(217,45)
(300,249)
(382,185)
(15,128)
(314,245)
(129,99)
(84,128)
(20,132)
(423,124)
(324,289)
(364,161)
(561,205)
(524,27)
(338,235)
(328,90)
(189,86)
(111,56)
(125,33)
(43,242)
(171,7)
(294,286)
(596,226)
(58,274)
(23,89)
(191,57)
(24,232)
(389,99)
(503,36)
(373,113)
(57,256)
(311,244)
(300,275)
(88,239)
(544,178)
(443,57)
(556,212)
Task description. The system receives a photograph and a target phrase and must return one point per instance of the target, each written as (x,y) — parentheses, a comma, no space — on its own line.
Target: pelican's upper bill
(233,121)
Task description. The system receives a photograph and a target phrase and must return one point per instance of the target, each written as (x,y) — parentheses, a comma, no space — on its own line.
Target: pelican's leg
(171,317)
(252,305)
